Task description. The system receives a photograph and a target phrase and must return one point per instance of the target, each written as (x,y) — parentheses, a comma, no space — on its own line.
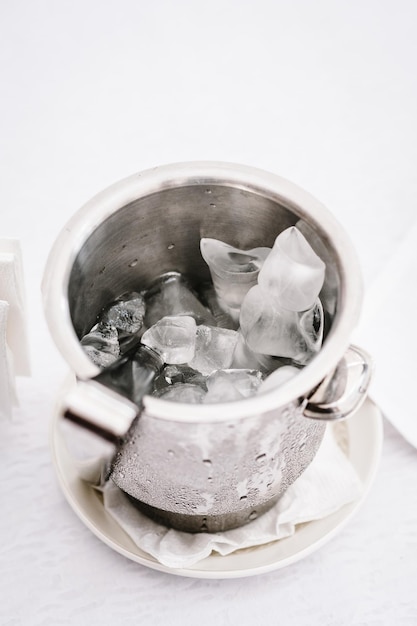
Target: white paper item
(7,388)
(387,332)
(327,484)
(12,291)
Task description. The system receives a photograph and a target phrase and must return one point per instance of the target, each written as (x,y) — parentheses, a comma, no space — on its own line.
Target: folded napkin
(7,386)
(387,332)
(14,353)
(327,484)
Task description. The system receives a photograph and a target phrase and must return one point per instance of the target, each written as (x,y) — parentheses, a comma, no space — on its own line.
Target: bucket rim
(272,186)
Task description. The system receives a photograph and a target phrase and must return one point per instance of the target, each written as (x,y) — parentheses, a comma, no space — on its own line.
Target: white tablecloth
(323,93)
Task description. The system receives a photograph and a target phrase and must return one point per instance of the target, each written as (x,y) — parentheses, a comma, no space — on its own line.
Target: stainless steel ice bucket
(215,466)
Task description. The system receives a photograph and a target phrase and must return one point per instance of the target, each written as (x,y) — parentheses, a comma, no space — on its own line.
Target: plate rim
(369,412)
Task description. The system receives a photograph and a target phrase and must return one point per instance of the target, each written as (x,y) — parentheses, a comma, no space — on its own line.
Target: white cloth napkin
(14,353)
(7,387)
(387,332)
(328,483)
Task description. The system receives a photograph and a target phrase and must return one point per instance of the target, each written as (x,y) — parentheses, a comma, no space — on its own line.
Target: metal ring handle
(344,390)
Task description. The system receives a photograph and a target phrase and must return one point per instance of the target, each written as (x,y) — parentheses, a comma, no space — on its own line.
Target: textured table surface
(322,93)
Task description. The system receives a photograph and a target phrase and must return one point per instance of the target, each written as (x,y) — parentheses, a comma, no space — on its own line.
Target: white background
(323,93)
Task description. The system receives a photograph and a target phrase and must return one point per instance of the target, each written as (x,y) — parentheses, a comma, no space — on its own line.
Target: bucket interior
(161,232)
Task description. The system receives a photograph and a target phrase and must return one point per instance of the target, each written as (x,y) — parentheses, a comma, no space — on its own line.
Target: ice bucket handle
(94,420)
(344,390)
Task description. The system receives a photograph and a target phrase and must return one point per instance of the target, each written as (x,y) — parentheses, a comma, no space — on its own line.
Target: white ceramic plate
(364,432)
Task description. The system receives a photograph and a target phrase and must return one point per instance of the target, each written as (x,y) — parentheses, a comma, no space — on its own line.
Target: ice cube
(182,392)
(233,271)
(330,289)
(173,337)
(214,349)
(312,326)
(270,329)
(245,358)
(278,378)
(98,357)
(172,374)
(293,274)
(101,345)
(170,295)
(133,375)
(207,295)
(232,384)
(126,313)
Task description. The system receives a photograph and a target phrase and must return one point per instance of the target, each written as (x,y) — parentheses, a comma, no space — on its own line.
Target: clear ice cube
(233,271)
(133,376)
(245,358)
(270,329)
(172,374)
(173,337)
(293,274)
(208,297)
(182,392)
(126,313)
(278,378)
(330,289)
(233,384)
(170,295)
(214,349)
(101,345)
